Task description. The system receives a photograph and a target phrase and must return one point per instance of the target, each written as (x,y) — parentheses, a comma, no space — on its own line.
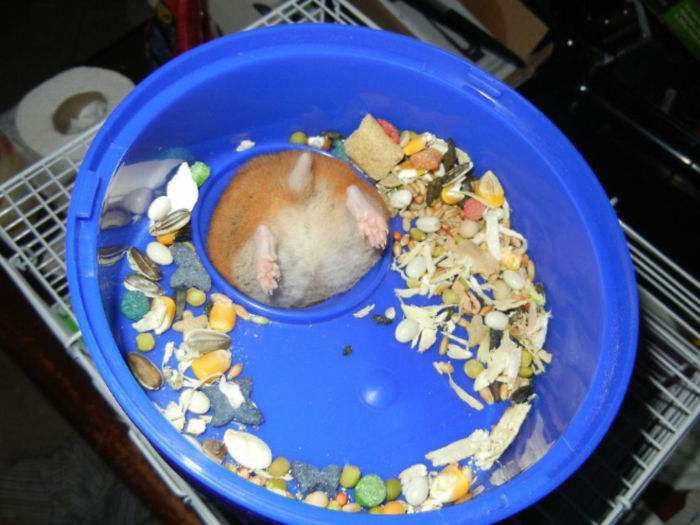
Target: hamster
(295,228)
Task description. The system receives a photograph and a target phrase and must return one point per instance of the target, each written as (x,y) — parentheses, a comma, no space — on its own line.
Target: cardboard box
(510,22)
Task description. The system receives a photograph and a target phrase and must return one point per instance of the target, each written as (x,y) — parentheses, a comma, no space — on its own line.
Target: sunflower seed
(144,371)
(138,282)
(203,340)
(170,223)
(143,264)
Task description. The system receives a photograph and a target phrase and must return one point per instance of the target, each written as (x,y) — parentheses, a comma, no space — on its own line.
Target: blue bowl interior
(384,406)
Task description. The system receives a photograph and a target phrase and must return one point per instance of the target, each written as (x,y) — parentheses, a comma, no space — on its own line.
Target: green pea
(349,476)
(376,510)
(438,250)
(526,371)
(525,359)
(393,488)
(276,484)
(449,296)
(473,368)
(417,235)
(145,342)
(334,505)
(279,467)
(298,137)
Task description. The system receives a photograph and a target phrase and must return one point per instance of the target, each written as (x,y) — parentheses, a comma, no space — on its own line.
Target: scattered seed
(235,371)
(347,350)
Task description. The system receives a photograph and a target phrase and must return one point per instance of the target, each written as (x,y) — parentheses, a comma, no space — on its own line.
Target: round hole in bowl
(330,307)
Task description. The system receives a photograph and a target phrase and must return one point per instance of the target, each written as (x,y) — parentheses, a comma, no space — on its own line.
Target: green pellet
(276,484)
(417,235)
(334,505)
(200,172)
(195,297)
(473,368)
(393,488)
(525,359)
(370,491)
(279,467)
(298,137)
(349,476)
(449,296)
(145,342)
(526,371)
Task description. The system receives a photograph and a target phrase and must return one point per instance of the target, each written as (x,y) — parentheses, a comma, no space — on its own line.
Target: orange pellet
(396,235)
(167,239)
(394,507)
(341,498)
(222,317)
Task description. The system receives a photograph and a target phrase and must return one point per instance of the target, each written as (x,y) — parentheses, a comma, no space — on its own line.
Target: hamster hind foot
(266,268)
(371,224)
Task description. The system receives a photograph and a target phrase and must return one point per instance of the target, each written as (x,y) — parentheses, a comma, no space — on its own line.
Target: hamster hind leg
(370,222)
(267,270)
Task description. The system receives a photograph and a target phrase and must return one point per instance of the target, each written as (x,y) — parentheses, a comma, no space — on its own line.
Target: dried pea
(525,359)
(376,510)
(195,297)
(298,137)
(473,368)
(417,235)
(334,505)
(145,342)
(393,488)
(349,476)
(449,296)
(279,467)
(526,371)
(276,484)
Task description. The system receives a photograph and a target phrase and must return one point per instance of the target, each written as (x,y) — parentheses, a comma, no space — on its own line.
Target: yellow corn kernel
(215,362)
(510,259)
(450,196)
(490,189)
(450,484)
(169,313)
(167,239)
(222,317)
(406,165)
(414,146)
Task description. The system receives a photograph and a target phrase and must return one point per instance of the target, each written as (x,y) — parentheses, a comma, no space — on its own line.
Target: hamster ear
(301,174)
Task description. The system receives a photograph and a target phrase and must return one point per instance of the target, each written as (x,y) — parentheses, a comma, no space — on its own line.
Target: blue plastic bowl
(383,407)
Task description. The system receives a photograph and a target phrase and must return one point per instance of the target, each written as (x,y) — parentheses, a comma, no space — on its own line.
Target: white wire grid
(661,405)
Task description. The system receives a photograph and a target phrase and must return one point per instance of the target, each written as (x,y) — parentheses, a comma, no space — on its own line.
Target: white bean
(159,208)
(428,224)
(496,320)
(416,490)
(416,268)
(513,279)
(406,330)
(468,228)
(159,253)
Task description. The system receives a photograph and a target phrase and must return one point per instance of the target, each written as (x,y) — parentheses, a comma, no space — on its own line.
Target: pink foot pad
(266,268)
(370,223)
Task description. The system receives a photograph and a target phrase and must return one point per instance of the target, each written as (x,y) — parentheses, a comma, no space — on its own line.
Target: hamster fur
(295,228)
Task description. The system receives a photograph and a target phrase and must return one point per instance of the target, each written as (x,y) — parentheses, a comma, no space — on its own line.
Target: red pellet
(389,129)
(473,209)
(426,159)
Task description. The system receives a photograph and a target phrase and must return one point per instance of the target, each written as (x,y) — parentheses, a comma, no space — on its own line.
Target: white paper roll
(53,113)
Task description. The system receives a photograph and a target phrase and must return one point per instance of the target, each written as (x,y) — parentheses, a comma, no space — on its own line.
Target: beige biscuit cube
(372,149)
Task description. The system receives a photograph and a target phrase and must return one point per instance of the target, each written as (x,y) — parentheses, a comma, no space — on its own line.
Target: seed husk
(214,449)
(137,282)
(144,371)
(109,255)
(521,394)
(171,223)
(143,264)
(180,297)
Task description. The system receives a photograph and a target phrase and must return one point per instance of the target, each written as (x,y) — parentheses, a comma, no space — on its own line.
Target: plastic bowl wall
(263,85)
